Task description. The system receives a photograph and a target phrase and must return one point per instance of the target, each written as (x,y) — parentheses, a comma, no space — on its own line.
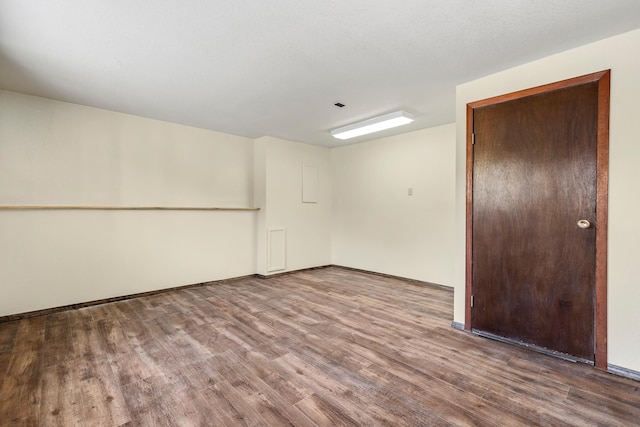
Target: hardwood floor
(327,347)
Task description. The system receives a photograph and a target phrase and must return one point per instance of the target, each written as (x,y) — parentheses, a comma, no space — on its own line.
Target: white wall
(55,153)
(620,54)
(377,226)
(308,225)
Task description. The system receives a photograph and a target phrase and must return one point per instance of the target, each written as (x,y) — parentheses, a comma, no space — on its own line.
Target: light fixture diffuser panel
(397,118)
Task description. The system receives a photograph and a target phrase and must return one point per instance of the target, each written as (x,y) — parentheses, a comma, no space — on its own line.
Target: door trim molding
(603,79)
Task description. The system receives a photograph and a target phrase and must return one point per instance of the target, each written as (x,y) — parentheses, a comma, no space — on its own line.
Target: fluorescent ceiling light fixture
(391,120)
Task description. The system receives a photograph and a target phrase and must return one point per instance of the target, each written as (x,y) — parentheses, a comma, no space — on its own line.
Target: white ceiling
(276,67)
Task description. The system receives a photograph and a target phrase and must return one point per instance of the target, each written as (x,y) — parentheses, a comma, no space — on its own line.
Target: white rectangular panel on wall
(309,183)
(277,249)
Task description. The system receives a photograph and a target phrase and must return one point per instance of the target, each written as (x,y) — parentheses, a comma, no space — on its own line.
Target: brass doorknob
(583,223)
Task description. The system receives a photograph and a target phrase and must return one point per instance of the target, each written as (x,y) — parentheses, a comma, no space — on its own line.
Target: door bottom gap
(533,347)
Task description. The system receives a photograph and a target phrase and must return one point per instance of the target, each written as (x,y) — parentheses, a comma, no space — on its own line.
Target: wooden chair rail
(128,208)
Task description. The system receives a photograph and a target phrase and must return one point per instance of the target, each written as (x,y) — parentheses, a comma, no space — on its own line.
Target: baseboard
(390,276)
(457,325)
(624,372)
(53,310)
(76,306)
(286,273)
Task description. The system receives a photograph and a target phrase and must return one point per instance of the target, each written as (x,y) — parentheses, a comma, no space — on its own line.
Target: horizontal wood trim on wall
(127,208)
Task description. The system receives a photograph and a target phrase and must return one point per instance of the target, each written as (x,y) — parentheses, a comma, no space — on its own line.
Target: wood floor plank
(18,397)
(328,388)
(8,332)
(202,374)
(218,402)
(327,347)
(127,364)
(183,348)
(56,406)
(323,413)
(605,408)
(80,390)
(250,340)
(212,337)
(86,341)
(268,371)
(102,399)
(417,403)
(250,415)
(161,400)
(20,392)
(58,340)
(214,407)
(5,357)
(272,407)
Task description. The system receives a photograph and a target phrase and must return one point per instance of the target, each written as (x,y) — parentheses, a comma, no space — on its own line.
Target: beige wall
(620,54)
(377,226)
(55,153)
(279,187)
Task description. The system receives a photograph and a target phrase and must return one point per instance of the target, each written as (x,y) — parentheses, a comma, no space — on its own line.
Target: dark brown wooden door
(534,179)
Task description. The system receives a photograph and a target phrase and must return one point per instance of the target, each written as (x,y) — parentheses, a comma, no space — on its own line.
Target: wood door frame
(603,79)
